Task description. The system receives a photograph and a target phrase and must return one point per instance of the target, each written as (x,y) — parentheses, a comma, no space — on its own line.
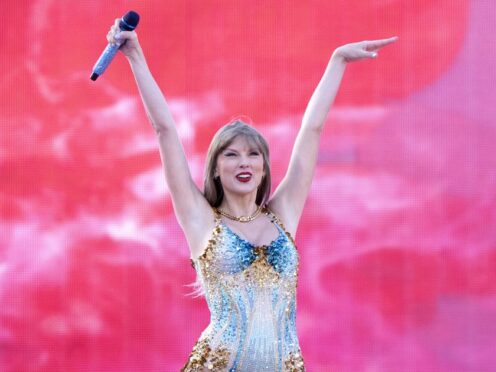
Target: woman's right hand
(128,40)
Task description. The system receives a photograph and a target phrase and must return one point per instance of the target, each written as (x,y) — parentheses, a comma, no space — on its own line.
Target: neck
(239,206)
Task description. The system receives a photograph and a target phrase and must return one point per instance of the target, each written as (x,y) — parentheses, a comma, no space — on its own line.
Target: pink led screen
(398,237)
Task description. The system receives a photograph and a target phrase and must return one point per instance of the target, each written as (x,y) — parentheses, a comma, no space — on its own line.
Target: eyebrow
(251,149)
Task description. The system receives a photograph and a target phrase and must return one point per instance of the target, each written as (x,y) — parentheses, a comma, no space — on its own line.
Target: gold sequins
(279,222)
(260,272)
(294,363)
(203,358)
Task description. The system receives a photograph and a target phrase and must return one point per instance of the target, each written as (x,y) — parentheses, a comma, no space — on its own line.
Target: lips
(244,177)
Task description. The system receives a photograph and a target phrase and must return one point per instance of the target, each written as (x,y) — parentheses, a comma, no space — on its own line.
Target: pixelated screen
(397,241)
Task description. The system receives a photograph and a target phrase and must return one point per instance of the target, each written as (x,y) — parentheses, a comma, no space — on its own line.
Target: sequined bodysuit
(251,295)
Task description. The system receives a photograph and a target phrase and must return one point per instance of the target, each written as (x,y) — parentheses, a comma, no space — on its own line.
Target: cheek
(224,166)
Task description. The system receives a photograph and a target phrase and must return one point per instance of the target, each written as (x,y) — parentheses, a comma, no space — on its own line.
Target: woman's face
(240,167)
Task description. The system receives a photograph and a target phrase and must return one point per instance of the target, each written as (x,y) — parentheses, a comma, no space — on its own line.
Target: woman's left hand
(363,49)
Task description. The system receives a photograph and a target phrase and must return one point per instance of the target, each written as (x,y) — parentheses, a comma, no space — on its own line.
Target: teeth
(243,176)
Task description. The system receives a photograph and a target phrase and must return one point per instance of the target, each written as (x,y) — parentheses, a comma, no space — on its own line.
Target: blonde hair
(213,191)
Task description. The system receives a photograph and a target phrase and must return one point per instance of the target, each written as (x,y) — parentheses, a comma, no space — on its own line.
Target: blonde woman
(240,236)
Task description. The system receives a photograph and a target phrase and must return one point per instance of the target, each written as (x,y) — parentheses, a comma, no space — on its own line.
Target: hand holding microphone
(121,36)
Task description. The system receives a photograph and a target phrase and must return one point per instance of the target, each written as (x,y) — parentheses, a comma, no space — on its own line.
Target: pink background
(398,238)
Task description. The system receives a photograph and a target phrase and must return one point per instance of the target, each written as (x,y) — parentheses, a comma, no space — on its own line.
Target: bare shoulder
(285,214)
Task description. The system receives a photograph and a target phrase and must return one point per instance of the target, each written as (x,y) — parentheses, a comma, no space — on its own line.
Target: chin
(242,189)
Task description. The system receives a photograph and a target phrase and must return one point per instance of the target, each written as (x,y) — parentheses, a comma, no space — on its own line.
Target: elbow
(314,123)
(160,128)
(318,128)
(313,126)
(161,131)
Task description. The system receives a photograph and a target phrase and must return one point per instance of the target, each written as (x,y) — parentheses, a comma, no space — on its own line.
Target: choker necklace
(241,218)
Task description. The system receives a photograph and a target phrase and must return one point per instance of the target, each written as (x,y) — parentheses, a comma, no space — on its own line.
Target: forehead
(242,142)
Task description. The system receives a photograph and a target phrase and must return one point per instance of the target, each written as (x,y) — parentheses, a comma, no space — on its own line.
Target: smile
(244,177)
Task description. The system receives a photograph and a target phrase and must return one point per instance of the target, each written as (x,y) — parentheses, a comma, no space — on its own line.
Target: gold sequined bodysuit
(251,295)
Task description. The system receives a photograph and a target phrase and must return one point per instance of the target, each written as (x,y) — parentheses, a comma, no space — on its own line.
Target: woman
(244,256)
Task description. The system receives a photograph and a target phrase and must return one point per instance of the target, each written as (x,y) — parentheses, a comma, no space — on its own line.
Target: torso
(251,294)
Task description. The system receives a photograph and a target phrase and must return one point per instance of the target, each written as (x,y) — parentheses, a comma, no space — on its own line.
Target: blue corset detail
(245,253)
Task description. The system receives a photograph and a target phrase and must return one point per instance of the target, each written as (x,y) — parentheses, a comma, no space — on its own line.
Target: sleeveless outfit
(251,294)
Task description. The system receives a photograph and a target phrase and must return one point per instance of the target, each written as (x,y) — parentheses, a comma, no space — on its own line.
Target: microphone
(128,23)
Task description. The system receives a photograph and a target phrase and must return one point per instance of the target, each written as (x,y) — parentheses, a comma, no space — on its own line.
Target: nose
(244,161)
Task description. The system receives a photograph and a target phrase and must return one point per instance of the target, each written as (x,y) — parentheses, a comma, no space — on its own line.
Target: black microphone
(128,23)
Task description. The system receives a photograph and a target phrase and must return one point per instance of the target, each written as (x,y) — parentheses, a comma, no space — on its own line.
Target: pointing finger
(374,44)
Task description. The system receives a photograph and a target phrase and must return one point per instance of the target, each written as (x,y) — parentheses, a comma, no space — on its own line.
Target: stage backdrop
(398,238)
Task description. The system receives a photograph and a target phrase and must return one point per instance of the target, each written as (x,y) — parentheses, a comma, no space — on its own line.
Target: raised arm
(189,204)
(289,198)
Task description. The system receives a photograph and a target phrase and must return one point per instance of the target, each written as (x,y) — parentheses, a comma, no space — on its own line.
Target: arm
(289,198)
(189,204)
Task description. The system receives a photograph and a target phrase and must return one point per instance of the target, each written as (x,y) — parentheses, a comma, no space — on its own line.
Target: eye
(256,153)
(229,154)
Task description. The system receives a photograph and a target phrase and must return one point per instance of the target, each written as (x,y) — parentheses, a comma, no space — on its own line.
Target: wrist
(135,56)
(338,57)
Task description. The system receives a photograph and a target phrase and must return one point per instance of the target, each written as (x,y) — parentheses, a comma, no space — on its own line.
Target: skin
(242,156)
(193,212)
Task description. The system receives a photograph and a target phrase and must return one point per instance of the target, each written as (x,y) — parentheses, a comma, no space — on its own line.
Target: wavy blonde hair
(213,191)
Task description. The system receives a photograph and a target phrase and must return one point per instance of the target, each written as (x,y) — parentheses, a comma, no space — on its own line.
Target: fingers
(122,36)
(113,31)
(116,36)
(376,44)
(111,37)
